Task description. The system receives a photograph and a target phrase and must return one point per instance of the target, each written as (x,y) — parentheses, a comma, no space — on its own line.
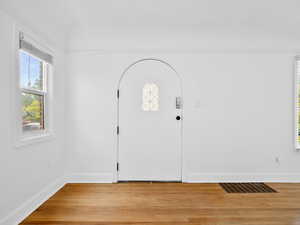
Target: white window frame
(19,137)
(297,108)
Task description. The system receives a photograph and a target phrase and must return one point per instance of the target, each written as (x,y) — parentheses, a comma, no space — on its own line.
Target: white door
(150,123)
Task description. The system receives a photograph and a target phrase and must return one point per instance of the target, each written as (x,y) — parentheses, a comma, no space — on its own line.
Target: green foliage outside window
(32,108)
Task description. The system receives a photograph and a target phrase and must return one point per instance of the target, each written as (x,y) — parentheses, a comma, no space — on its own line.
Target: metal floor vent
(247,188)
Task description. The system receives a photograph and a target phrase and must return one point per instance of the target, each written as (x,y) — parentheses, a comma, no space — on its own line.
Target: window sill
(37,138)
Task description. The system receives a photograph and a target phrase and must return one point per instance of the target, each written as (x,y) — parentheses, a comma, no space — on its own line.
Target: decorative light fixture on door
(150,97)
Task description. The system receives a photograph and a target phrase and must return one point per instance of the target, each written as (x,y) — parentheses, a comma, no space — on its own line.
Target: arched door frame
(115,174)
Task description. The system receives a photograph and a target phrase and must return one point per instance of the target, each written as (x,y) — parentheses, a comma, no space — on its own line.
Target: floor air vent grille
(247,188)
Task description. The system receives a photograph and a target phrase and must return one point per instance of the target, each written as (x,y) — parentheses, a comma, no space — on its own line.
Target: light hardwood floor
(167,204)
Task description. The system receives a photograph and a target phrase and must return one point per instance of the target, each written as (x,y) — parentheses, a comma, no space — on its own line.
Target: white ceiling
(45,16)
(71,18)
(279,16)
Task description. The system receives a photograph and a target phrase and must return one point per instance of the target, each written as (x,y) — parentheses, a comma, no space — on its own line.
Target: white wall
(238,111)
(238,100)
(25,171)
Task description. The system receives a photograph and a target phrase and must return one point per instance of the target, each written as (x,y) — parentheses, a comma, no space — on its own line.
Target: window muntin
(33,77)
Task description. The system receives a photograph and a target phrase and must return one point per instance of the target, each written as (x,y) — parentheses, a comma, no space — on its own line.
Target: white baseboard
(242,177)
(90,178)
(19,214)
(196,177)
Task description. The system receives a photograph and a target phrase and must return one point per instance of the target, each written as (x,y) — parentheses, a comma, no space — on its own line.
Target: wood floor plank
(166,204)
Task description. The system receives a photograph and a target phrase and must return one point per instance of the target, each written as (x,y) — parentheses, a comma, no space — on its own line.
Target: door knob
(177,117)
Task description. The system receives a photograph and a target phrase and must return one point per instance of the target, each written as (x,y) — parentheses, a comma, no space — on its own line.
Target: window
(150,97)
(34,71)
(33,94)
(297,103)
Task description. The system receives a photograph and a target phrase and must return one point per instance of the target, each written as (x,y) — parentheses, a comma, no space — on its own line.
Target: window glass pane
(31,71)
(150,97)
(33,112)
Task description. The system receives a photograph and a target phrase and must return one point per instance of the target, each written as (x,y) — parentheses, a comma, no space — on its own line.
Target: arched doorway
(150,122)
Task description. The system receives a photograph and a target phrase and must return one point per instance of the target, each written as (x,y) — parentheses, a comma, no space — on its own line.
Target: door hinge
(21,38)
(117,166)
(118,93)
(118,130)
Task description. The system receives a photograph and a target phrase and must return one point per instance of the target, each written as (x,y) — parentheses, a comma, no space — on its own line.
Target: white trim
(242,177)
(296,123)
(90,178)
(18,139)
(19,214)
(192,50)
